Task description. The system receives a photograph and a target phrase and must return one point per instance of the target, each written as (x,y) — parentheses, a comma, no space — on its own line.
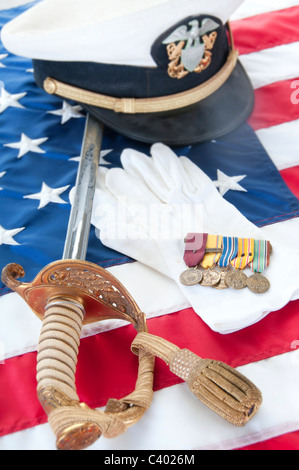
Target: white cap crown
(102,31)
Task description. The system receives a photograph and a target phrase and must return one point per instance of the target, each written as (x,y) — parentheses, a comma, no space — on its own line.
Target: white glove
(146,209)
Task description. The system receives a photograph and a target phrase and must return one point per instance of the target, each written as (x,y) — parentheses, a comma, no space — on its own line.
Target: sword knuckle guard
(10,275)
(65,295)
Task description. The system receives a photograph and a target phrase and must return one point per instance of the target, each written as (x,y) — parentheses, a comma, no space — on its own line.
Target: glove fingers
(198,179)
(163,173)
(142,167)
(217,212)
(124,186)
(169,167)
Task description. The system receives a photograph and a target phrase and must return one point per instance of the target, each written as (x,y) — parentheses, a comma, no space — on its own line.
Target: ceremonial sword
(77,236)
(67,294)
(71,292)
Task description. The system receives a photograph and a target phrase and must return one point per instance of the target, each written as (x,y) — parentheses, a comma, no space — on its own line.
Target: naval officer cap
(152,70)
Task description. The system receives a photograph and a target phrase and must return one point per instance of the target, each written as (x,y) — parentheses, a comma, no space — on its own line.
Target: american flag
(256,168)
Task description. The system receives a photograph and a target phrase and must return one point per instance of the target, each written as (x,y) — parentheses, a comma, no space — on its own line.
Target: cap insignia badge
(189,49)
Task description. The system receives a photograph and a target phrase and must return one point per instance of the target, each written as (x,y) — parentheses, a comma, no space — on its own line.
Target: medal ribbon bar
(229,251)
(245,253)
(211,259)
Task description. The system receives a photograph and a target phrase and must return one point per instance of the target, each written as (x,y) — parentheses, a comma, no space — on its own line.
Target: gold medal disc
(236,280)
(258,284)
(210,278)
(191,277)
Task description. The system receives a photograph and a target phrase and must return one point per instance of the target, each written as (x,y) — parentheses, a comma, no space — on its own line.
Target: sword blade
(77,236)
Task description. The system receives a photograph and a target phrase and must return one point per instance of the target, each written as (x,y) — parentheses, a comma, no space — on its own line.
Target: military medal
(213,252)
(191,277)
(195,245)
(229,252)
(258,283)
(236,279)
(210,278)
(208,251)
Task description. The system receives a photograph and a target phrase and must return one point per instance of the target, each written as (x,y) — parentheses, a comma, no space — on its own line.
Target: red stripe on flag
(266,30)
(107,368)
(288,441)
(273,105)
(291,178)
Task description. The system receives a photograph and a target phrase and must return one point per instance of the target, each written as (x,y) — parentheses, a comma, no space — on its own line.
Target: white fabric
(176,420)
(105,31)
(164,184)
(272,65)
(281,143)
(256,7)
(8,4)
(140,280)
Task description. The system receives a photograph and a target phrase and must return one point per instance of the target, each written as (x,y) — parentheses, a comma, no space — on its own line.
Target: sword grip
(58,346)
(76,425)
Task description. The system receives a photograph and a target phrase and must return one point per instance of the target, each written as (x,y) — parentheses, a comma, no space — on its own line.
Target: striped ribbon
(229,251)
(245,253)
(261,258)
(210,259)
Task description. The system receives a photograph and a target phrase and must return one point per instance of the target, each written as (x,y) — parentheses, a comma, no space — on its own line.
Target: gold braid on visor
(147,105)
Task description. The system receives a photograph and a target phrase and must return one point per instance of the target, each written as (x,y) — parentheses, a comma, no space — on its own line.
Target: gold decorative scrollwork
(50,398)
(174,50)
(103,296)
(91,282)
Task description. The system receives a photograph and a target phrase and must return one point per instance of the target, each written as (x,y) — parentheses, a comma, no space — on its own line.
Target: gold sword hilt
(66,295)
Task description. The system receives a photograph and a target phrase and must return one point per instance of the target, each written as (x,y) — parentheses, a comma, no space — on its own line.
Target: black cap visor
(211,118)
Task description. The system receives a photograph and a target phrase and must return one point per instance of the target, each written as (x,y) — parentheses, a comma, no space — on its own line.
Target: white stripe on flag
(272,65)
(282,144)
(16,317)
(256,7)
(176,420)
(14,310)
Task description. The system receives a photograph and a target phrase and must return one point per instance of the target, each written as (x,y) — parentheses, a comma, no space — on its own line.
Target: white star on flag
(8,100)
(68,112)
(47,195)
(102,157)
(2,173)
(26,145)
(2,56)
(228,183)
(6,236)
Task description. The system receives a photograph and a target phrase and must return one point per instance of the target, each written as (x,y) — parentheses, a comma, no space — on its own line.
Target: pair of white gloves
(145,210)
